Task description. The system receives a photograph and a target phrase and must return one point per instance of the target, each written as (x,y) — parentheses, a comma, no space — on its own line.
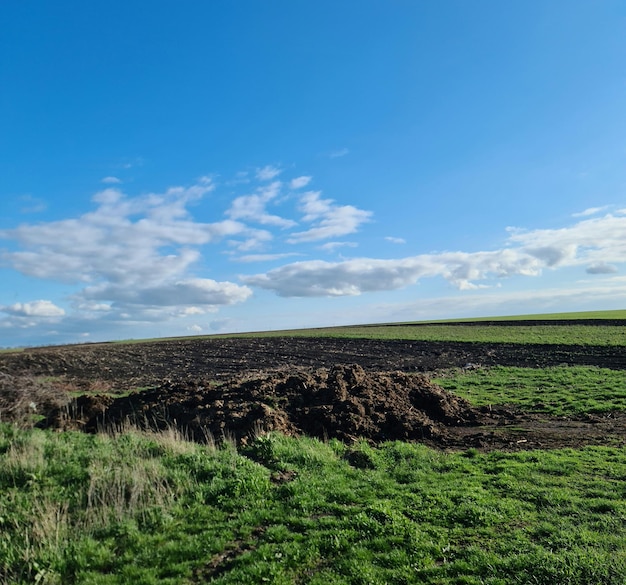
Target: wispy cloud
(32,204)
(330,220)
(590,211)
(265,257)
(332,246)
(267,173)
(595,243)
(130,254)
(254,240)
(339,153)
(579,297)
(240,178)
(395,240)
(111,180)
(299,182)
(252,208)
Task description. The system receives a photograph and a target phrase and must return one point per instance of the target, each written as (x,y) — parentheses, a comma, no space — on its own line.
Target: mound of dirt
(78,414)
(345,402)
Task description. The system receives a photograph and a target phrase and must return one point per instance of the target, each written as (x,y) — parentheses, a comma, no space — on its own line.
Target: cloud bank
(127,252)
(597,244)
(148,260)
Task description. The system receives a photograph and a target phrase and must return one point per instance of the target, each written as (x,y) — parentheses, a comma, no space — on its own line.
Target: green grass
(146,509)
(614,314)
(543,334)
(564,390)
(607,335)
(153,509)
(443,331)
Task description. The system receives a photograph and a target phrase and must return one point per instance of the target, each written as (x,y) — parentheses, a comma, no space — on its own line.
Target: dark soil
(324,387)
(128,366)
(344,402)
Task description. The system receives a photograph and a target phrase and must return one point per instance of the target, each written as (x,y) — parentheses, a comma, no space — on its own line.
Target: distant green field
(616,314)
(568,335)
(599,334)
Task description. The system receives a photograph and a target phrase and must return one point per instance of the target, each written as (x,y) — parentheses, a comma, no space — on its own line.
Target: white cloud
(119,242)
(593,242)
(590,211)
(267,173)
(252,207)
(331,220)
(339,153)
(332,246)
(110,180)
(352,277)
(93,307)
(299,182)
(597,240)
(138,260)
(264,257)
(240,178)
(131,256)
(194,328)
(255,240)
(193,311)
(40,308)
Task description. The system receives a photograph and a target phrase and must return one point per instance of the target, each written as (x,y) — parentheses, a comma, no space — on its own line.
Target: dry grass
(24,398)
(125,490)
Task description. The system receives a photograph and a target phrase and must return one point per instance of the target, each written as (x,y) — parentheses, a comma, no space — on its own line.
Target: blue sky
(178,168)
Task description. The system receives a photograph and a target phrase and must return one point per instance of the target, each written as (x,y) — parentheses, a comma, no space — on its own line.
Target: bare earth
(343,388)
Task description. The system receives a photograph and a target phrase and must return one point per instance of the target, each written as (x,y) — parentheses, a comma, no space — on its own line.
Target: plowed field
(326,387)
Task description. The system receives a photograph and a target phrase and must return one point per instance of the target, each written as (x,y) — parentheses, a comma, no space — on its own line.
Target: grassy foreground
(154,508)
